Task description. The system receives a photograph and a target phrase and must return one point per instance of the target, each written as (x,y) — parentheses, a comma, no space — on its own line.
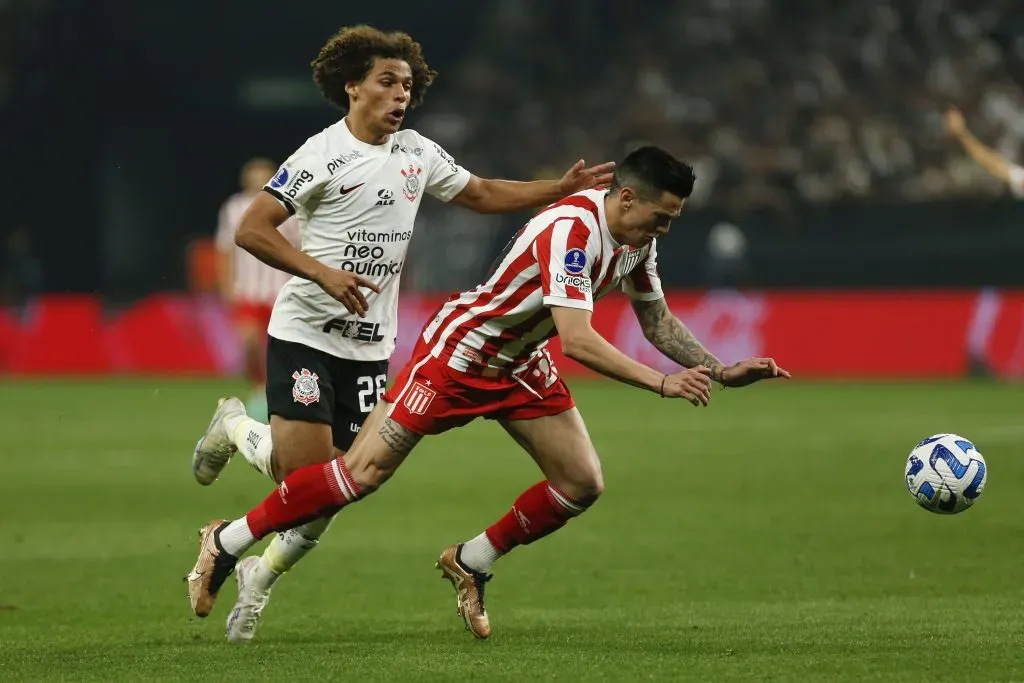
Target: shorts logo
(281,179)
(412,182)
(306,391)
(419,398)
(575,261)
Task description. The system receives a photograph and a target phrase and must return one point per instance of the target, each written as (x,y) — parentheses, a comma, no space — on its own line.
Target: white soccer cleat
(215,448)
(245,617)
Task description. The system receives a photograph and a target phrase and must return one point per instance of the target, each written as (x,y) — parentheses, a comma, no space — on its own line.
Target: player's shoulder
(413,142)
(331,142)
(583,208)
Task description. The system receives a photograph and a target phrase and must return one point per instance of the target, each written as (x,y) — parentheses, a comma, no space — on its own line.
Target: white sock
(253,441)
(236,538)
(285,551)
(479,554)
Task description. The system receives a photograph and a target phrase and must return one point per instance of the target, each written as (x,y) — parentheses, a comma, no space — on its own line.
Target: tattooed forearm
(670,336)
(397,437)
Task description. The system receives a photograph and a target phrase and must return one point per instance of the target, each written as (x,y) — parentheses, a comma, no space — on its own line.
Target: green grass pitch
(768,537)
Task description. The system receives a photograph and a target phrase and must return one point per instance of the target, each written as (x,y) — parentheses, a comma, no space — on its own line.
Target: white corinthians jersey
(356,204)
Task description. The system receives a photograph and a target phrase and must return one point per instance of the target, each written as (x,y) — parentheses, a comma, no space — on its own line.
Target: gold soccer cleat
(469,590)
(212,568)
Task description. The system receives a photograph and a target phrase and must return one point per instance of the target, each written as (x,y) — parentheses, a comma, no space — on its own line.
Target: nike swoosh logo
(194,575)
(346,190)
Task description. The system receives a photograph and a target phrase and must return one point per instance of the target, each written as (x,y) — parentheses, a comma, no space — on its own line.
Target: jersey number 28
(370,390)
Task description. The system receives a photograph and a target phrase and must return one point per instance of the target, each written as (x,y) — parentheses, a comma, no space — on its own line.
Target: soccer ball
(946,474)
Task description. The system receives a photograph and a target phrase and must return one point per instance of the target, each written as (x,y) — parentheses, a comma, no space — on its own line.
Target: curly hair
(349,55)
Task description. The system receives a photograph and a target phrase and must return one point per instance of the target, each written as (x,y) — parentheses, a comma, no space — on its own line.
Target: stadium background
(835,226)
(823,167)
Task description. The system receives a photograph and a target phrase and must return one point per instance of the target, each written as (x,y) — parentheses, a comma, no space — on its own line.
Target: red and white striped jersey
(565,256)
(254,281)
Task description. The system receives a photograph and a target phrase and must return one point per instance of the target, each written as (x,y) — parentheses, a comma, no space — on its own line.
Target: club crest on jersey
(305,391)
(575,261)
(419,398)
(412,182)
(630,257)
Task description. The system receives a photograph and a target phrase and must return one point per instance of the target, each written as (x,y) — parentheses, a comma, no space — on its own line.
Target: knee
(585,488)
(592,490)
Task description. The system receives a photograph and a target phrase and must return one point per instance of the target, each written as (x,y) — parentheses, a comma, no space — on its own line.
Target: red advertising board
(814,334)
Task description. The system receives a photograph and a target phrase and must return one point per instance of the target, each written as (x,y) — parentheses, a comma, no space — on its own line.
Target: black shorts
(307,384)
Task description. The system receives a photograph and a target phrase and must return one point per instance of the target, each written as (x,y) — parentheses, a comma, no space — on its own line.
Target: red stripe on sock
(572,511)
(332,481)
(352,485)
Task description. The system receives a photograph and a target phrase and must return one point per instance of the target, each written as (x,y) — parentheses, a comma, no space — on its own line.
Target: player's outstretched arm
(500,196)
(668,334)
(258,235)
(988,158)
(584,345)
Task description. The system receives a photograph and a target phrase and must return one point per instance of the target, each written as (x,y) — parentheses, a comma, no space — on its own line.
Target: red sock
(306,494)
(540,510)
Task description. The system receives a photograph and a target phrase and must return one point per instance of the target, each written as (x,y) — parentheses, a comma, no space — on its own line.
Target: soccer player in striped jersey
(484,355)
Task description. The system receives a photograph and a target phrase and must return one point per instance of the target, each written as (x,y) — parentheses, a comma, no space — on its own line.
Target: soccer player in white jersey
(992,161)
(355,188)
(247,285)
(483,355)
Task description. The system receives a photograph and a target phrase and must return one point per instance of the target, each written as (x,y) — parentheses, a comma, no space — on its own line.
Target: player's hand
(955,123)
(752,370)
(694,385)
(344,287)
(579,178)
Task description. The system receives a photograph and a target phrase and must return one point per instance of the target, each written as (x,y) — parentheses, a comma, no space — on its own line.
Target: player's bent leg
(306,494)
(257,576)
(561,446)
(562,449)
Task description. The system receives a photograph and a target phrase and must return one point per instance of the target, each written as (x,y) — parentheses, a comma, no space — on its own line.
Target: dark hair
(349,55)
(650,171)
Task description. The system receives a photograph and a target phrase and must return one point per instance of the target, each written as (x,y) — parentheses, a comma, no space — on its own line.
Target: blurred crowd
(776,103)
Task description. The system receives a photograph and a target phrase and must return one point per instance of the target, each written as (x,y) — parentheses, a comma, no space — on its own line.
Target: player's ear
(626,197)
(352,88)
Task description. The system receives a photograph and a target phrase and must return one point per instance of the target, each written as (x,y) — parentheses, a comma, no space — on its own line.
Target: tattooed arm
(669,335)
